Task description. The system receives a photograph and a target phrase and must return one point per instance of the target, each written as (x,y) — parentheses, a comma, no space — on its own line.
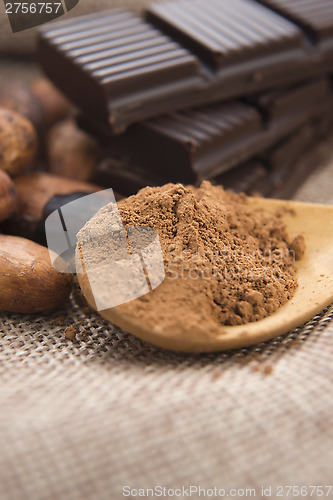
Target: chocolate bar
(120,68)
(292,175)
(254,178)
(186,146)
(251,178)
(323,123)
(286,151)
(276,172)
(280,171)
(286,164)
(289,107)
(113,60)
(199,144)
(123,177)
(314,17)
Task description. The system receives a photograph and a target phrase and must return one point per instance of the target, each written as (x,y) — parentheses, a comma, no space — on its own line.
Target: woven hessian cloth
(82,419)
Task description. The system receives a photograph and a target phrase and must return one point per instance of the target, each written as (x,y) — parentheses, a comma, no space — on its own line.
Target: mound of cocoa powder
(225,262)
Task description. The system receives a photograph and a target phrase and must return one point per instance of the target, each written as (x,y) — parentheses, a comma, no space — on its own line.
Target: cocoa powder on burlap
(225,262)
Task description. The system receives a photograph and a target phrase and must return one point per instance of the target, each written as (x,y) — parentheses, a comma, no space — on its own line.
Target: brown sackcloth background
(80,420)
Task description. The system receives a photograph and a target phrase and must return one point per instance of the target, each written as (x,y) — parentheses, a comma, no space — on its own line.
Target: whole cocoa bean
(38,194)
(71,152)
(28,282)
(18,142)
(7,196)
(54,104)
(18,97)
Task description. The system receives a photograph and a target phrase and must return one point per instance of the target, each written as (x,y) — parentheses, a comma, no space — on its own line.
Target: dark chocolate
(287,184)
(286,152)
(55,203)
(250,178)
(125,178)
(278,172)
(283,106)
(315,17)
(281,170)
(193,145)
(114,59)
(120,69)
(225,33)
(34,229)
(323,123)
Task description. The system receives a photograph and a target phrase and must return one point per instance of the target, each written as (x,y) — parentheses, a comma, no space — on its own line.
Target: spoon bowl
(314,291)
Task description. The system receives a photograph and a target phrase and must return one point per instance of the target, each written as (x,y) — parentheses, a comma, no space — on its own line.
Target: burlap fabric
(82,419)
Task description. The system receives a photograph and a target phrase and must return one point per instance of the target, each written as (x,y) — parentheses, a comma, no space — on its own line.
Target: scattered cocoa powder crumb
(216,375)
(59,321)
(268,369)
(226,263)
(70,332)
(82,335)
(298,247)
(285,209)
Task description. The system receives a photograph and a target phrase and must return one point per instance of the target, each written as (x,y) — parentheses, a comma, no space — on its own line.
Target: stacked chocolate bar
(236,91)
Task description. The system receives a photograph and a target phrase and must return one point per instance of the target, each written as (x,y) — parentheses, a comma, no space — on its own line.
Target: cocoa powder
(225,262)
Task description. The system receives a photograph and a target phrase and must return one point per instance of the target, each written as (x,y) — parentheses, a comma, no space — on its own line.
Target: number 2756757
(33,8)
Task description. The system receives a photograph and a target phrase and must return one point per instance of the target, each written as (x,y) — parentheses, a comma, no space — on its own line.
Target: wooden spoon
(314,292)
